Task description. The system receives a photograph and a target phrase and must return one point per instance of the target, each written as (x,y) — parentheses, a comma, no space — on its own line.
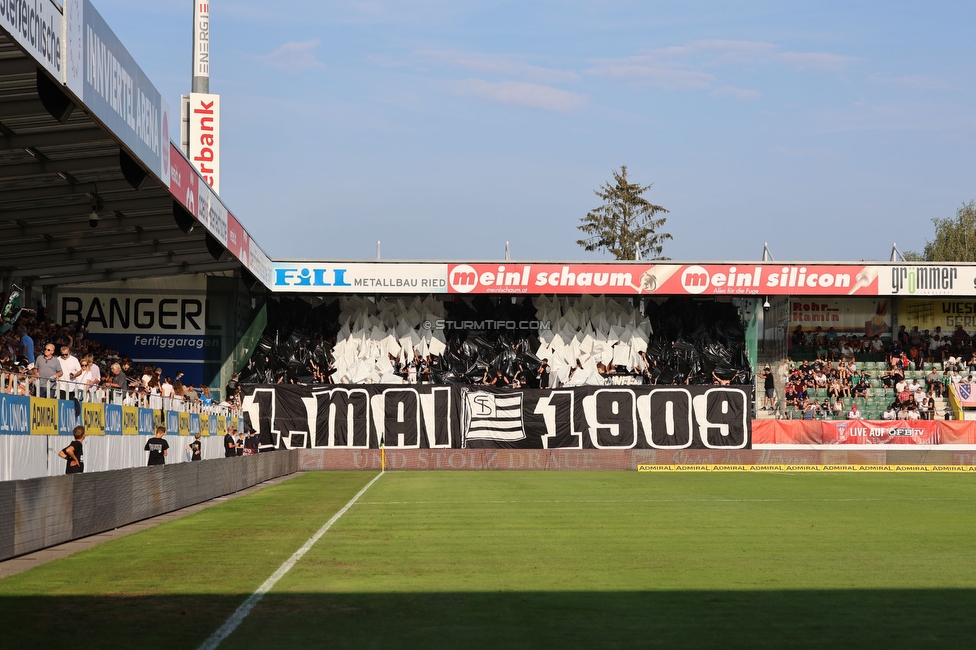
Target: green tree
(625,224)
(955,238)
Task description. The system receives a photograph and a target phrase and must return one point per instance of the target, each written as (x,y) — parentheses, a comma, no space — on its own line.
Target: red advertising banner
(665,279)
(546,278)
(958,432)
(238,241)
(889,432)
(182,180)
(863,432)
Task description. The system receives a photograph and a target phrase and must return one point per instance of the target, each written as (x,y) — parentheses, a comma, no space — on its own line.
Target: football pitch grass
(532,560)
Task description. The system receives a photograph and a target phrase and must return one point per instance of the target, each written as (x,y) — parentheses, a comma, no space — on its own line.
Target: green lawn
(534,559)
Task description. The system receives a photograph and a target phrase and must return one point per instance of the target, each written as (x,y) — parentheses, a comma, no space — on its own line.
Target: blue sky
(444,129)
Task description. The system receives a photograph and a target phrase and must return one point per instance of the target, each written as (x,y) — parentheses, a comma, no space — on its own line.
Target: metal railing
(12,383)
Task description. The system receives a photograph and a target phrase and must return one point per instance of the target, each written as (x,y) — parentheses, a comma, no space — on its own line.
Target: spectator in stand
(233,388)
(48,368)
(854,413)
(70,371)
(166,391)
(890,413)
(147,374)
(117,381)
(930,405)
(838,407)
(810,410)
(877,345)
(205,398)
(191,394)
(932,382)
(903,339)
(835,390)
(90,376)
(790,395)
(819,379)
(178,393)
(152,390)
(770,389)
(914,357)
(26,345)
(799,337)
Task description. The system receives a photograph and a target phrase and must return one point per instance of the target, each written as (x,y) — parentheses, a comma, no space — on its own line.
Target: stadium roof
(57,162)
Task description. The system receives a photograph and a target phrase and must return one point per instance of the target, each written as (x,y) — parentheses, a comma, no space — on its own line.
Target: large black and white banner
(474,417)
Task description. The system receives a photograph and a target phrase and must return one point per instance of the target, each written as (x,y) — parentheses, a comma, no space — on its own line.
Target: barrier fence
(42,512)
(30,386)
(34,429)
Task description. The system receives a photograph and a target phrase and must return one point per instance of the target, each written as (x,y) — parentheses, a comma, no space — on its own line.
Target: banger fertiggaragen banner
(473,417)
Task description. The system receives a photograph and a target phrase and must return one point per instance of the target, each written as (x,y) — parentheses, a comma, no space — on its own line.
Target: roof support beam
(105,276)
(122,222)
(54,166)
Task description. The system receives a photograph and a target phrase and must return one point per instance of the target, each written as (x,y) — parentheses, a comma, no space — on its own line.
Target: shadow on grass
(812,618)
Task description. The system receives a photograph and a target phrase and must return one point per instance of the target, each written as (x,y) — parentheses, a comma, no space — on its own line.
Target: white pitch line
(238,616)
(584,501)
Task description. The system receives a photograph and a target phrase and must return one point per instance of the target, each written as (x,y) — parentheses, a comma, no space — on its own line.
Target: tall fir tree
(625,225)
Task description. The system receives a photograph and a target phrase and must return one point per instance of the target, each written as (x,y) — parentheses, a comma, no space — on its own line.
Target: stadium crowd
(915,367)
(40,358)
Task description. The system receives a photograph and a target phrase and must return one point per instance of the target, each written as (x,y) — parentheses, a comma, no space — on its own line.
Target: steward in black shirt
(157,447)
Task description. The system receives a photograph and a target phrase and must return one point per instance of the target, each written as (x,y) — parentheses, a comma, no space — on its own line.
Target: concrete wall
(608,459)
(41,512)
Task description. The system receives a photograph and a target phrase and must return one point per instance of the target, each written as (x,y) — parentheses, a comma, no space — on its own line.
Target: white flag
(492,416)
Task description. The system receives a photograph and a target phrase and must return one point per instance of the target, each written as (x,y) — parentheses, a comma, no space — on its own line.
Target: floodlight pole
(201,47)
